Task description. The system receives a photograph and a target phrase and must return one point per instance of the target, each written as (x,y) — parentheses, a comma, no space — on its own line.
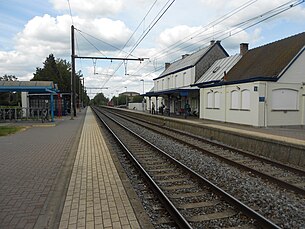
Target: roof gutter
(220,83)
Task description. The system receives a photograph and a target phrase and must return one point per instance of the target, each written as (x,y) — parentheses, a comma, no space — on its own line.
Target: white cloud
(89,8)
(45,34)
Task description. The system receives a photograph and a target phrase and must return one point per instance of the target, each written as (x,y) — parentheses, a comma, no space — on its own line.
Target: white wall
(284,104)
(295,73)
(137,106)
(209,111)
(255,104)
(177,80)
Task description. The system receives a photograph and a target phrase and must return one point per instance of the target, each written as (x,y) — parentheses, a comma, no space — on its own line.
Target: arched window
(234,100)
(210,96)
(245,99)
(217,100)
(284,99)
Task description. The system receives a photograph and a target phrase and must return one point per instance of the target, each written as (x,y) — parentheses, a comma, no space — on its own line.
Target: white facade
(175,80)
(295,72)
(255,103)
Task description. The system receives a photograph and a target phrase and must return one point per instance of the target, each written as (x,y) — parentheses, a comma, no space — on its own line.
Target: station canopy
(29,86)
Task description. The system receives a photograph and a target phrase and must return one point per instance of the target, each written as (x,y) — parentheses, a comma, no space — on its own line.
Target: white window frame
(245,99)
(210,100)
(283,99)
(234,97)
(217,100)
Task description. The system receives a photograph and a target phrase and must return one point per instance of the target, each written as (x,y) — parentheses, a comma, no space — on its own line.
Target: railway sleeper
(199,204)
(213,216)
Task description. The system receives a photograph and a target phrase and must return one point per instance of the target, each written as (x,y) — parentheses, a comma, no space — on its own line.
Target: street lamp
(126,96)
(143,84)
(143,96)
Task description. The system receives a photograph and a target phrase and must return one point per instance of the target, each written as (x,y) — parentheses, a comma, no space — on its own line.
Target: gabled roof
(217,70)
(267,61)
(189,61)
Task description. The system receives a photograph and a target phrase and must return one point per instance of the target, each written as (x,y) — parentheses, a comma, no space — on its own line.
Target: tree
(99,99)
(8,78)
(58,71)
(137,99)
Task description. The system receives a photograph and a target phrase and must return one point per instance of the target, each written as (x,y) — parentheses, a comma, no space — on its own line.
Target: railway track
(285,176)
(191,200)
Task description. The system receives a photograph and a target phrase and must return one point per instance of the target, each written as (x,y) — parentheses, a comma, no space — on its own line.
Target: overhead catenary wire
(235,29)
(161,13)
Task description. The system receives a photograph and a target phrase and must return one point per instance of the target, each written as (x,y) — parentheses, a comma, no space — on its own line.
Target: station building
(264,88)
(173,86)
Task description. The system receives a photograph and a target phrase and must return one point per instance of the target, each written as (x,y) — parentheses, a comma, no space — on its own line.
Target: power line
(70,12)
(239,27)
(142,37)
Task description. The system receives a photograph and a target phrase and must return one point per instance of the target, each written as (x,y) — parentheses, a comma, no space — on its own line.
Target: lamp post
(143,96)
(83,91)
(143,84)
(79,91)
(126,97)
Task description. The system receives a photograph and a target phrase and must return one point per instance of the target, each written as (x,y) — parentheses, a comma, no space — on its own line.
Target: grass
(6,130)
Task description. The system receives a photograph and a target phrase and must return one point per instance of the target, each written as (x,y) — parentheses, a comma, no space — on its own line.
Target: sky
(158,30)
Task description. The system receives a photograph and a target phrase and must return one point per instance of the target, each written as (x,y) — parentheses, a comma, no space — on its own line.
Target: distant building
(130,95)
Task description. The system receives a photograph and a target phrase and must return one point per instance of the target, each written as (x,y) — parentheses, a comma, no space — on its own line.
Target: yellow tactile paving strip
(96,197)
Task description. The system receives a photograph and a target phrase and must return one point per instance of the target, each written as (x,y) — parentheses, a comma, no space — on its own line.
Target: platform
(96,197)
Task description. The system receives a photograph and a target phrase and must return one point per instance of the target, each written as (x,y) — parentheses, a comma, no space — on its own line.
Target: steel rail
(264,222)
(275,180)
(174,212)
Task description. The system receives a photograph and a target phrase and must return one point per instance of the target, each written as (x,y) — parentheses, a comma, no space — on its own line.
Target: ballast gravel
(284,208)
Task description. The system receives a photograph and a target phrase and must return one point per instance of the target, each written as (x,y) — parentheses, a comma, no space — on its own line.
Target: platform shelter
(37,87)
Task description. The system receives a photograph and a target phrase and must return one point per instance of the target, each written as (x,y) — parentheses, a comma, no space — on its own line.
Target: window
(184,79)
(163,86)
(284,99)
(234,100)
(176,77)
(210,96)
(168,82)
(217,100)
(245,99)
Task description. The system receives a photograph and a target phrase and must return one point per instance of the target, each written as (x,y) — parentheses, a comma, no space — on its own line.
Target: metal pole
(83,90)
(143,96)
(126,97)
(72,70)
(79,86)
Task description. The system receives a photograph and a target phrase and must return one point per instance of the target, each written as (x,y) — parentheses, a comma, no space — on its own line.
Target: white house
(173,86)
(264,88)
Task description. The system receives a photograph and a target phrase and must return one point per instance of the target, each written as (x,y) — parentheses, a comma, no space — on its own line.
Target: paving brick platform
(96,197)
(31,165)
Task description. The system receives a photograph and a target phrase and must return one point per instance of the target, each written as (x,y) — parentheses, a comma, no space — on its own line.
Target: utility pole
(73,56)
(72,73)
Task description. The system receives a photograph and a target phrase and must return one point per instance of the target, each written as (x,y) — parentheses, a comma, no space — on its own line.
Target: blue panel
(184,93)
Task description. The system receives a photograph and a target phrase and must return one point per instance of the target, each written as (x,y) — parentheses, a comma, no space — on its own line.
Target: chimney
(212,42)
(244,47)
(167,65)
